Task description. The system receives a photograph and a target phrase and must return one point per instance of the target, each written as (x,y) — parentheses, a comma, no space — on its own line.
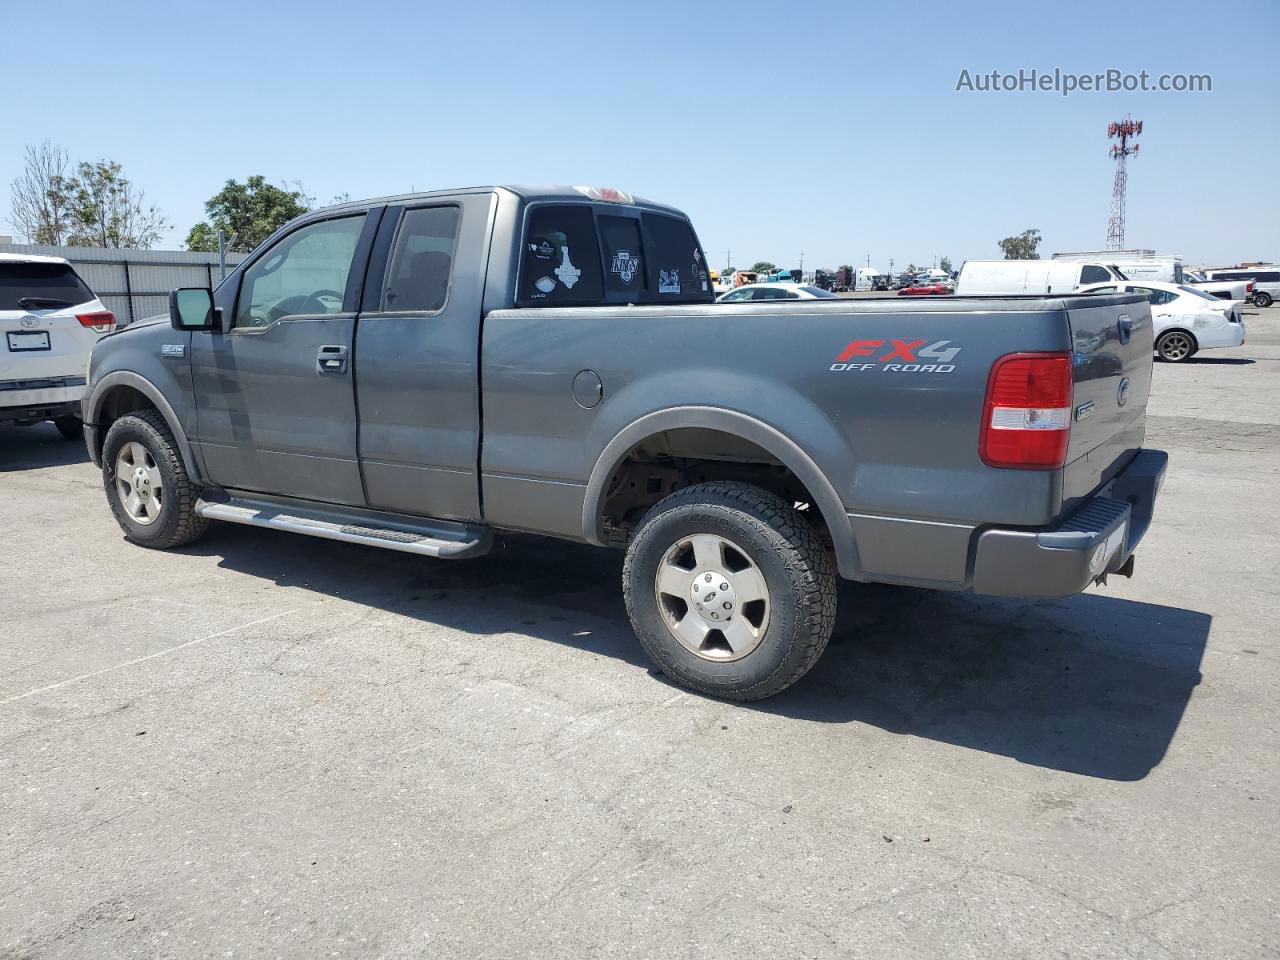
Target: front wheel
(1175,346)
(730,590)
(1262,299)
(147,485)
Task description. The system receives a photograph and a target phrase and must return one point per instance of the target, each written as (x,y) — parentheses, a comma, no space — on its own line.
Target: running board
(443,539)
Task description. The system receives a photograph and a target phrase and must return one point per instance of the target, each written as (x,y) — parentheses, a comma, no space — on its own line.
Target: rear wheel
(146,483)
(1262,299)
(70,427)
(730,590)
(1175,346)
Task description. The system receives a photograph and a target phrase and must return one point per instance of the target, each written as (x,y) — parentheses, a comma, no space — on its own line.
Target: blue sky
(829,128)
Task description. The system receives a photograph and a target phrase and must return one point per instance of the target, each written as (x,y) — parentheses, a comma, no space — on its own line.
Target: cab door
(275,403)
(417,347)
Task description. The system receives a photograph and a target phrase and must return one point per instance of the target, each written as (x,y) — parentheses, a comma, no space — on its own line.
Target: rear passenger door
(417,339)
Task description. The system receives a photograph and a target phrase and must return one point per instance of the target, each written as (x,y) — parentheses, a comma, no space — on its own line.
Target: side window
(1268,277)
(788,295)
(765,293)
(1104,290)
(305,273)
(418,278)
(560,264)
(1090,273)
(624,261)
(676,264)
(737,296)
(1156,297)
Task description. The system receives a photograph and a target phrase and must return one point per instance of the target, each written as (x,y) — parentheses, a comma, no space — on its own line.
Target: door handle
(1125,328)
(332,358)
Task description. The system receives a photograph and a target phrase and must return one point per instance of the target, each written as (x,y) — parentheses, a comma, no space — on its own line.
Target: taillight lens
(1026,420)
(103,321)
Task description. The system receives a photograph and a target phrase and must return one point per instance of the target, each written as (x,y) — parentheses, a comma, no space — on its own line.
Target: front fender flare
(92,406)
(770,438)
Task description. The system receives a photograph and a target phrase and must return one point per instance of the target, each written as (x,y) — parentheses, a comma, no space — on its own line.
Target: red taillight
(1249,287)
(1026,420)
(103,321)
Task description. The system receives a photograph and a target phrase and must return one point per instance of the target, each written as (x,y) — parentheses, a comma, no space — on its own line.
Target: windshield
(818,293)
(27,285)
(1197,293)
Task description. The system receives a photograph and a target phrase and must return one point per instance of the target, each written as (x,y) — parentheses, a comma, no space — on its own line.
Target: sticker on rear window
(669,281)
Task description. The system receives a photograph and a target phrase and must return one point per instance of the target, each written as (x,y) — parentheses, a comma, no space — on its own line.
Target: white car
(755,292)
(1186,320)
(50,320)
(1222,289)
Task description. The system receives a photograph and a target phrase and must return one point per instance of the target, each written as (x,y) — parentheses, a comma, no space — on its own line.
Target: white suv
(50,320)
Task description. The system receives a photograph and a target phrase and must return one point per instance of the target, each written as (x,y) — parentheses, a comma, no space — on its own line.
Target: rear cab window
(582,254)
(28,285)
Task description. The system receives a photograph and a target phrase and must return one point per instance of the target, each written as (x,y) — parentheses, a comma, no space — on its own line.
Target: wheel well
(119,401)
(667,461)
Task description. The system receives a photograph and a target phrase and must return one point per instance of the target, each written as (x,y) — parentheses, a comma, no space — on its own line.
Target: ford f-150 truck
(417,372)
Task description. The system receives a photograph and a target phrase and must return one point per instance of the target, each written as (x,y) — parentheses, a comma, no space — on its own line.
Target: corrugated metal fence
(134,283)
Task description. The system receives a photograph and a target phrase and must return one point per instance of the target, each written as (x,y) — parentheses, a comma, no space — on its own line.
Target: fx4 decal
(901,356)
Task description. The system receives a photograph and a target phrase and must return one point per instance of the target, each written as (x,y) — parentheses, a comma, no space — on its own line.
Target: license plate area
(28,341)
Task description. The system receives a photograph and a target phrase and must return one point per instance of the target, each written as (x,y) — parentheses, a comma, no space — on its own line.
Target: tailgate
(1112,342)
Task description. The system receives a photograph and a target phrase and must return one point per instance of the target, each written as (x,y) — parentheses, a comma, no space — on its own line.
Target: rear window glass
(42,285)
(423,259)
(677,267)
(561,258)
(624,261)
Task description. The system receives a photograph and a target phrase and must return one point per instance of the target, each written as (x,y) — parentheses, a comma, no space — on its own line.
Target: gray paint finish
(470,414)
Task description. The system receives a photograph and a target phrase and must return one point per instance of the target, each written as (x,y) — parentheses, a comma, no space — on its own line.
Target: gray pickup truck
(417,372)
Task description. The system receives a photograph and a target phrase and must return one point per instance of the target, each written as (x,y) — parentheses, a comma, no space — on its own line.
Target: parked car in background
(996,277)
(1186,320)
(1266,281)
(755,292)
(1222,289)
(925,289)
(1134,264)
(50,320)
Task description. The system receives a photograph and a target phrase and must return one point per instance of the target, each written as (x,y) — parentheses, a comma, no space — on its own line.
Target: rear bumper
(24,401)
(1097,539)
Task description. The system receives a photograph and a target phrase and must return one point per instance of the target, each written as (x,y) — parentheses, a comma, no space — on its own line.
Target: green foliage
(764,266)
(248,212)
(107,211)
(1023,246)
(945,264)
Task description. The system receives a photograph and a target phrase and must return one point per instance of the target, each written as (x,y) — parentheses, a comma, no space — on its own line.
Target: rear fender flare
(778,444)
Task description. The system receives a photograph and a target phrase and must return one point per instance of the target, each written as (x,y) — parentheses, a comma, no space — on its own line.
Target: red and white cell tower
(1122,130)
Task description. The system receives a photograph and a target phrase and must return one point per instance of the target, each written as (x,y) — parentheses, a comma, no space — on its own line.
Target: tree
(247,212)
(1021,247)
(945,265)
(764,266)
(109,211)
(41,207)
(845,266)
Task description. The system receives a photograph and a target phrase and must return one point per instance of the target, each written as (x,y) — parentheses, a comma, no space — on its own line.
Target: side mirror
(191,308)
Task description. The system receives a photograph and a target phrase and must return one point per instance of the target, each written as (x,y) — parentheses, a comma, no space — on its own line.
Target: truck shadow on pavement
(1093,685)
(40,445)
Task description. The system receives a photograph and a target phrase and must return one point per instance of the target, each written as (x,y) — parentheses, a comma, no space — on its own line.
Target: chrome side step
(443,539)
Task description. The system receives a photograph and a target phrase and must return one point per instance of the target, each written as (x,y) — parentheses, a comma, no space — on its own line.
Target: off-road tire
(794,562)
(70,427)
(178,523)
